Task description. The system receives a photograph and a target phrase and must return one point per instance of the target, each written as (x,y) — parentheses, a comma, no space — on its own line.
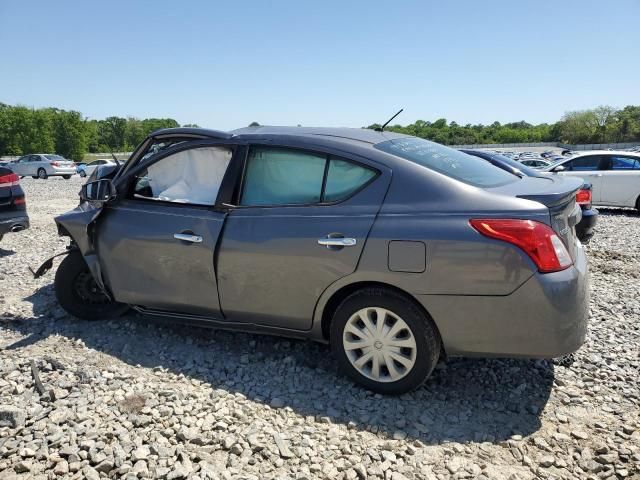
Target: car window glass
(190,176)
(282,177)
(589,162)
(447,161)
(344,178)
(624,163)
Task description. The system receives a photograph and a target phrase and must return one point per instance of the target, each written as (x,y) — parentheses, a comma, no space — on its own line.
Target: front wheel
(83,173)
(42,174)
(79,294)
(384,341)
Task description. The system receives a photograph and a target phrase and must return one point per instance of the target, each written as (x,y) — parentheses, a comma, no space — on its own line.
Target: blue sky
(334,63)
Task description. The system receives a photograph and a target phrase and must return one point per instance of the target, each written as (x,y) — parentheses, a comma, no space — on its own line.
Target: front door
(586,167)
(301,224)
(156,247)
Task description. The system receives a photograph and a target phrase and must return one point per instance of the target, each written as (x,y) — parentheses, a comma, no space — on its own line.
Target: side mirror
(100,191)
(559,168)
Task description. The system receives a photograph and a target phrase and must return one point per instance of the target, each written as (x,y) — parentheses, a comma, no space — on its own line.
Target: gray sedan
(395,250)
(42,166)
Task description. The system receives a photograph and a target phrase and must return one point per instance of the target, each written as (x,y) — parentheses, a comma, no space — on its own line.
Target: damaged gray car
(395,250)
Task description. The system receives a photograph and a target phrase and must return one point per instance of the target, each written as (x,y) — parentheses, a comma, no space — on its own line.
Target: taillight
(583,197)
(9,180)
(19,201)
(536,239)
(55,164)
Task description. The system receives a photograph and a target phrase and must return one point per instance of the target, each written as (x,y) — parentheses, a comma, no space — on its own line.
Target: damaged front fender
(78,224)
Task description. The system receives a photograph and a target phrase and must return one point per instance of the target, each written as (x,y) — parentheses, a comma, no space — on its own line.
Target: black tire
(425,333)
(638,204)
(82,173)
(66,177)
(42,174)
(79,295)
(34,177)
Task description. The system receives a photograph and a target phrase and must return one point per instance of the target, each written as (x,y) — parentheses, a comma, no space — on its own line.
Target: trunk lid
(558,194)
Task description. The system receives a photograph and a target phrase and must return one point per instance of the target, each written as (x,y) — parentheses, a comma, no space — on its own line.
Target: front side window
(54,157)
(191,176)
(448,161)
(277,176)
(624,163)
(587,163)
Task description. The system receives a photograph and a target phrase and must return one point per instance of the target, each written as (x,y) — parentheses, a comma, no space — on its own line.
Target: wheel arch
(331,305)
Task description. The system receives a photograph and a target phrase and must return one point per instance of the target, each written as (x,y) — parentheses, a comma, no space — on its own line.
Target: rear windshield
(54,157)
(452,163)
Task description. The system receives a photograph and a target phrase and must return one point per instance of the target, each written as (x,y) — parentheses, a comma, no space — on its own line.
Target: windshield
(452,163)
(54,157)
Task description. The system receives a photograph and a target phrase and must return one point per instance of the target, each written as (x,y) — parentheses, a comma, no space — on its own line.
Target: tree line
(604,124)
(67,132)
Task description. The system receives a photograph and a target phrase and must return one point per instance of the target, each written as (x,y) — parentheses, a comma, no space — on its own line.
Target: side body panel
(619,187)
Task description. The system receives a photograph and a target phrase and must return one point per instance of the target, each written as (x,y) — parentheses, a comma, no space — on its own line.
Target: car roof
(337,133)
(605,152)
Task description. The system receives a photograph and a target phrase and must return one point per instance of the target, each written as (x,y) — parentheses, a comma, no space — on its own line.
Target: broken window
(190,176)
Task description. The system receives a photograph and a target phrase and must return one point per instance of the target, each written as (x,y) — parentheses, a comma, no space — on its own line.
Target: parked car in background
(585,228)
(85,170)
(13,209)
(615,176)
(535,162)
(43,166)
(393,249)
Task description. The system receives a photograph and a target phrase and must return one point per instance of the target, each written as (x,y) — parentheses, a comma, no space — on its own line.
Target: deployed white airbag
(192,176)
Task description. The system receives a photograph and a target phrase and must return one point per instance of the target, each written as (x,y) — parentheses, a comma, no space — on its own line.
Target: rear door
(620,183)
(301,221)
(156,246)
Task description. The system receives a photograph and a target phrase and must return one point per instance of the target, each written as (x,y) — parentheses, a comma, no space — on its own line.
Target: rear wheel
(638,203)
(42,174)
(384,341)
(66,177)
(79,294)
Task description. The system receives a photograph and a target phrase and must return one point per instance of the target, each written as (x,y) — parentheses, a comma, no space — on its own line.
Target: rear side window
(624,163)
(276,176)
(452,163)
(282,177)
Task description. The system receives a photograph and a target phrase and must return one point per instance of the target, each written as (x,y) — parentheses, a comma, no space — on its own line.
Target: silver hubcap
(379,344)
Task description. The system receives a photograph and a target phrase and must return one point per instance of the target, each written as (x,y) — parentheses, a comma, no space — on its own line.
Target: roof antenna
(381,129)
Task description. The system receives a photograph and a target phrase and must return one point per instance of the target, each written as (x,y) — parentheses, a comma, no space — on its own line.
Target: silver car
(395,250)
(43,166)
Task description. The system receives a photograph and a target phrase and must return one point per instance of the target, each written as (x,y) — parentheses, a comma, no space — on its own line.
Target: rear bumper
(586,227)
(61,171)
(544,318)
(13,222)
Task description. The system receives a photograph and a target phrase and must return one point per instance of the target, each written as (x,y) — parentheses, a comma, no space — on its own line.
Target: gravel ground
(136,398)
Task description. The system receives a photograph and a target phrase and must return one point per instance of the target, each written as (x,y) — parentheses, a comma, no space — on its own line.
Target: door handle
(186,237)
(337,242)
(598,175)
